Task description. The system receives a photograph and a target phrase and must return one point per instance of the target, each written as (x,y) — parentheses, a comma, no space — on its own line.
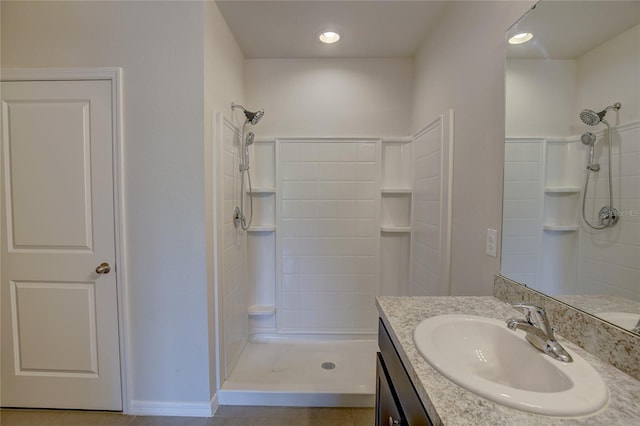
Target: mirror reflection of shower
(608,215)
(246,140)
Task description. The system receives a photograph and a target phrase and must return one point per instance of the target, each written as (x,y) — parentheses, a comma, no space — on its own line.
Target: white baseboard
(294,399)
(174,408)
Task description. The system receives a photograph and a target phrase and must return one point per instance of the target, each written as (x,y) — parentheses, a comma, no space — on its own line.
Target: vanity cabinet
(397,402)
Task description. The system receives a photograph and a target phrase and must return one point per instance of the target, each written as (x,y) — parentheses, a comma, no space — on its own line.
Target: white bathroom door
(60,344)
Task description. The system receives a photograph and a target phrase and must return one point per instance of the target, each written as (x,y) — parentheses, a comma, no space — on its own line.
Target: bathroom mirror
(562,89)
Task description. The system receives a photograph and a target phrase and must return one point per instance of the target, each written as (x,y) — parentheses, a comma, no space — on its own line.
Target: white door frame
(114,75)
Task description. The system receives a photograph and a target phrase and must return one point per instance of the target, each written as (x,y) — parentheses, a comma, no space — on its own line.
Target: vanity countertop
(449,404)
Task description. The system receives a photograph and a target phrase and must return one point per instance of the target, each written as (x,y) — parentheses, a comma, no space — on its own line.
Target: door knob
(103,268)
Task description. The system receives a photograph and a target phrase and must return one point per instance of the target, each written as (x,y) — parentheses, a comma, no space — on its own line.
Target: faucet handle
(536,315)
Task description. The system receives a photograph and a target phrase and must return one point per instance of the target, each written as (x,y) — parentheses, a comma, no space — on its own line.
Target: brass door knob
(103,268)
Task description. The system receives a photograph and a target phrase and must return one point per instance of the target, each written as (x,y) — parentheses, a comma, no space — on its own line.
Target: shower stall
(336,222)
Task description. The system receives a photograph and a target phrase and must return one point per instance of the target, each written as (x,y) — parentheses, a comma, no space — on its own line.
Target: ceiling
(289,29)
(568,29)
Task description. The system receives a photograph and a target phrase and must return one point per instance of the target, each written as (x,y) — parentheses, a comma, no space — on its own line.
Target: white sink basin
(483,356)
(622,319)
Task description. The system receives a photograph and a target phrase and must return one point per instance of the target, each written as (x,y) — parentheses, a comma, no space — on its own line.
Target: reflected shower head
(252,117)
(591,118)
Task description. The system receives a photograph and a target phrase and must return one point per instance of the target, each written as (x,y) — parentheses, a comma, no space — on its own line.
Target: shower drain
(328,365)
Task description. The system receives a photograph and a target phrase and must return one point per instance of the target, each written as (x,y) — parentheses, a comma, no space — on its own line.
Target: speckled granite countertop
(449,404)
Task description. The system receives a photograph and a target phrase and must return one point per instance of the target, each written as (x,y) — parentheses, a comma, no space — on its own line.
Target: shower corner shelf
(398,229)
(562,189)
(561,228)
(395,190)
(262,228)
(261,310)
(265,190)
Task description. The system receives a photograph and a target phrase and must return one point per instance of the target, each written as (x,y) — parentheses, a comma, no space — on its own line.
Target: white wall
(330,97)
(540,100)
(223,84)
(461,66)
(608,74)
(159,45)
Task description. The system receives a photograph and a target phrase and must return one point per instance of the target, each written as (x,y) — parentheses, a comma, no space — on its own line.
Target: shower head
(588,138)
(252,117)
(591,118)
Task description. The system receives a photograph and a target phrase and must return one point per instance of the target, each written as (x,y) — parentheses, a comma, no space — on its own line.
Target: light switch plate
(492,242)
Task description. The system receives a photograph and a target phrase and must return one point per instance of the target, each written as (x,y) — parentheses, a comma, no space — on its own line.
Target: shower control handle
(393,421)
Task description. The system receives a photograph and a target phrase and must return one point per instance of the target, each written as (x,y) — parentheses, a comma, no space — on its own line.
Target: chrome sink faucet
(539,331)
(636,329)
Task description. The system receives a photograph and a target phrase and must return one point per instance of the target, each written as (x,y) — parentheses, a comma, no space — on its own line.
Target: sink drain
(328,365)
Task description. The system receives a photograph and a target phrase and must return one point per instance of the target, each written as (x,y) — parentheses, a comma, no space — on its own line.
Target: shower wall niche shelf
(262,228)
(395,210)
(561,228)
(385,191)
(562,189)
(261,191)
(261,238)
(261,310)
(402,229)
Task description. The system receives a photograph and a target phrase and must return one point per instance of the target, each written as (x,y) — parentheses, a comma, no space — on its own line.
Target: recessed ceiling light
(329,37)
(520,38)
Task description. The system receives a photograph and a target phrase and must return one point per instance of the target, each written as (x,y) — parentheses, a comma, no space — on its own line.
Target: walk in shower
(335,224)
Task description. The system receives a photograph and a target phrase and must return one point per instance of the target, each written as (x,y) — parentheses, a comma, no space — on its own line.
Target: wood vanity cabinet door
(402,390)
(388,410)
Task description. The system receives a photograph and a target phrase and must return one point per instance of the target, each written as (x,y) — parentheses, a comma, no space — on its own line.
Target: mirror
(558,233)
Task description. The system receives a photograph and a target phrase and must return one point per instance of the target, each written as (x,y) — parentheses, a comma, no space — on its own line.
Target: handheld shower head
(250,138)
(588,138)
(591,118)
(252,117)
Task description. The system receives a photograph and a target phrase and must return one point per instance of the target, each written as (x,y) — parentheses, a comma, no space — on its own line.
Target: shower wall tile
(427,218)
(610,259)
(329,235)
(522,209)
(233,287)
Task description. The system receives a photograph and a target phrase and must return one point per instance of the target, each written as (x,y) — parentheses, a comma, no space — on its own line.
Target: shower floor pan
(304,371)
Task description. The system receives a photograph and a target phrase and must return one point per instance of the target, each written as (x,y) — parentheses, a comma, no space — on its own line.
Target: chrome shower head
(588,138)
(591,118)
(252,117)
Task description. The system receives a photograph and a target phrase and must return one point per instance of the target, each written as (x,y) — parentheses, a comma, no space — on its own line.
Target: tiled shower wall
(522,209)
(589,262)
(329,236)
(233,289)
(610,259)
(429,245)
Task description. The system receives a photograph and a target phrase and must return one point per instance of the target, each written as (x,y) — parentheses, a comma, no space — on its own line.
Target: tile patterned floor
(225,416)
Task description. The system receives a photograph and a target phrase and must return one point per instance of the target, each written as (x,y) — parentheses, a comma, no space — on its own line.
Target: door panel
(64,342)
(60,344)
(50,169)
